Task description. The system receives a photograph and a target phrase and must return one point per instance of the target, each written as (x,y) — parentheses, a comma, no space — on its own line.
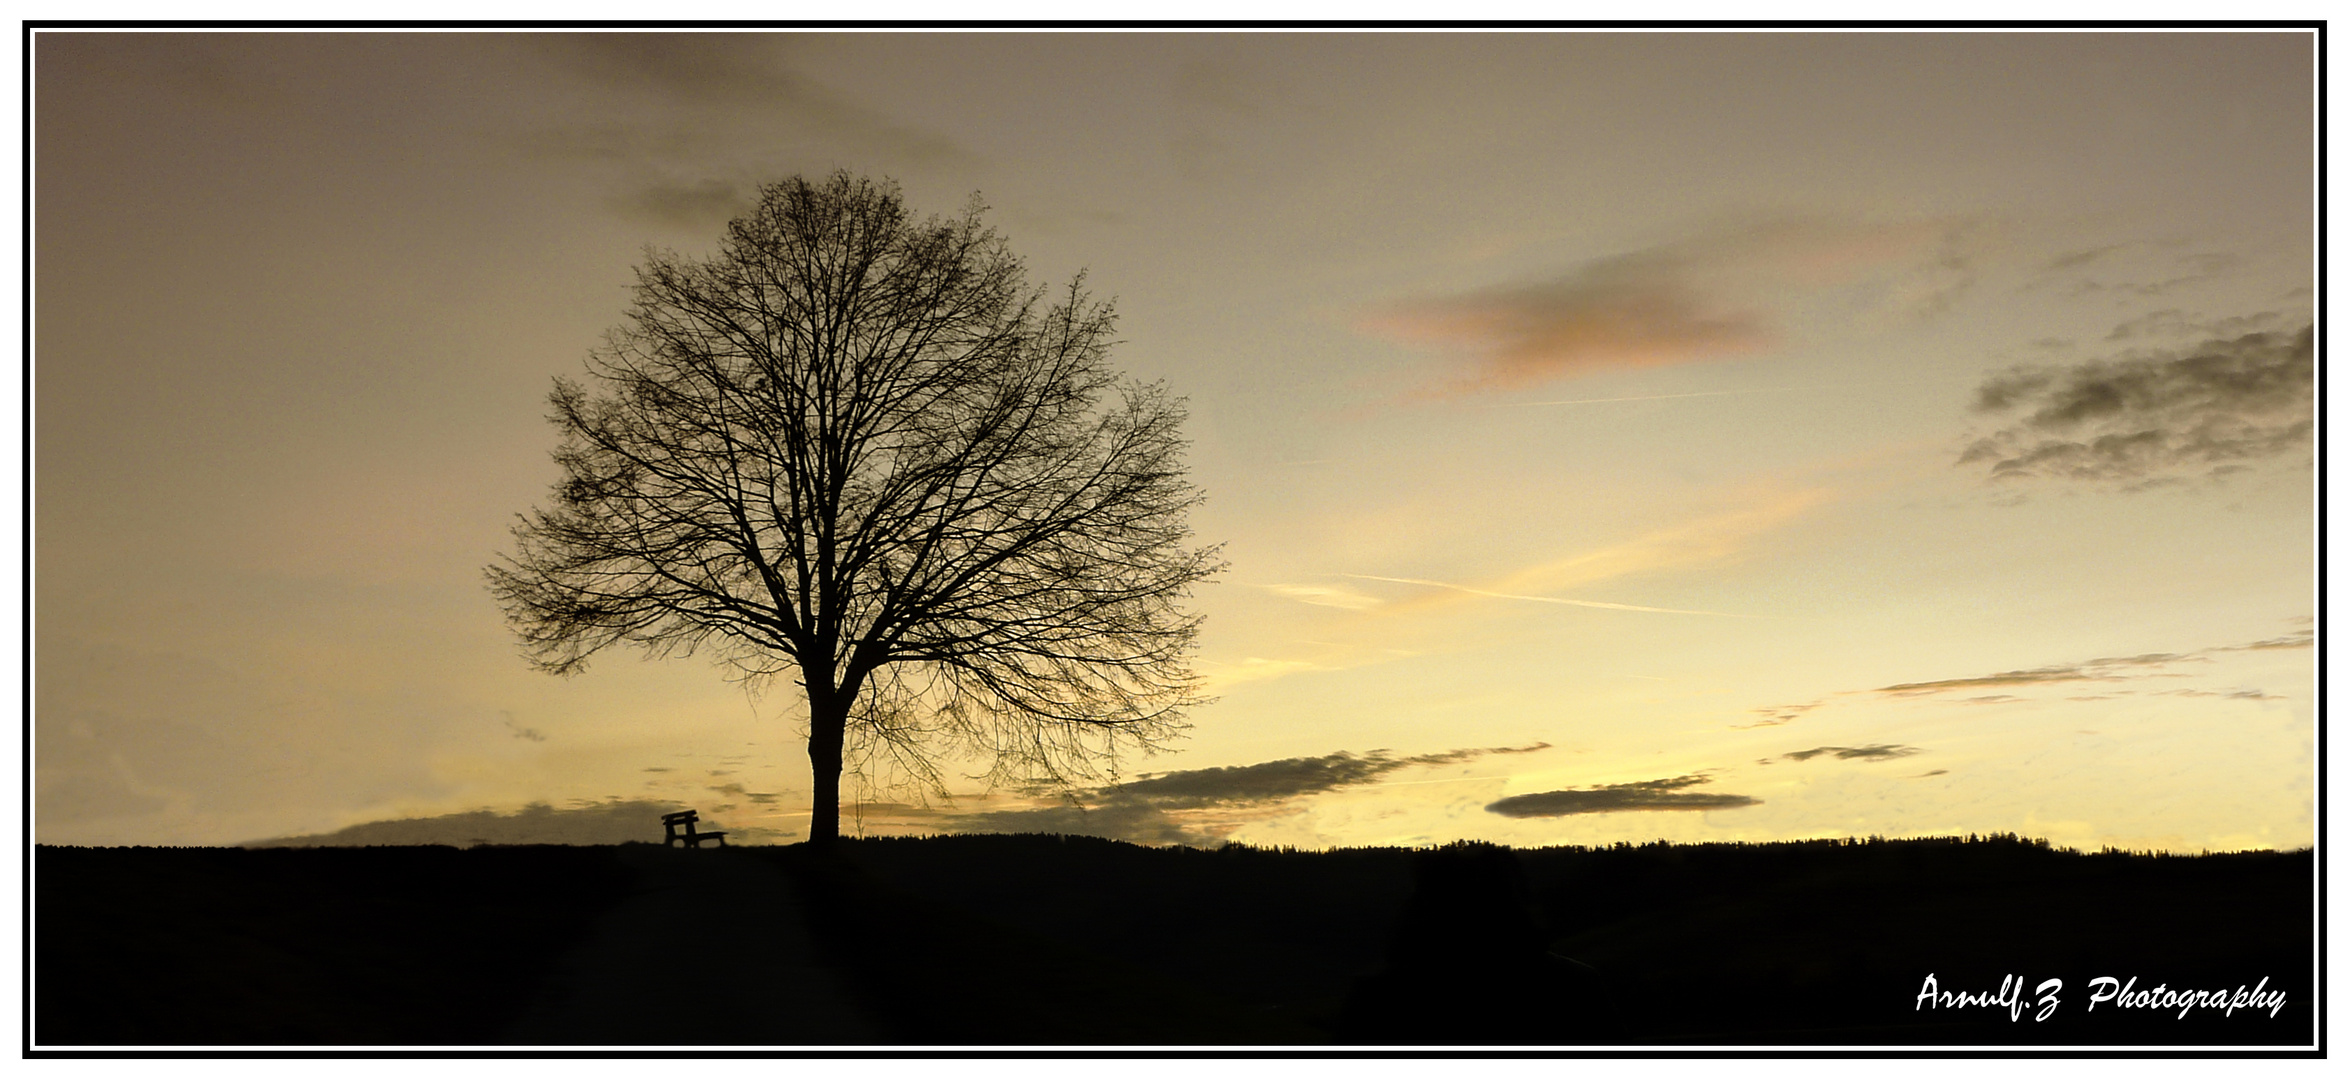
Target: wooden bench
(684,819)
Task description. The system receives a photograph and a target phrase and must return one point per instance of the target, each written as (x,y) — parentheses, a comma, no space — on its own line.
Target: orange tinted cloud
(1591,322)
(1713,297)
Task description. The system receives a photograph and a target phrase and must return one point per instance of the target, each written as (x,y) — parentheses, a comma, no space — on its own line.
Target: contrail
(1648,397)
(1543,599)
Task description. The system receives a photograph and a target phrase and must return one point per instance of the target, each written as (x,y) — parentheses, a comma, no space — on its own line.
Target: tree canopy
(860,449)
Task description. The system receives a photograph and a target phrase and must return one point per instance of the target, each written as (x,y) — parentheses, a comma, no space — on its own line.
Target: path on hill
(711,948)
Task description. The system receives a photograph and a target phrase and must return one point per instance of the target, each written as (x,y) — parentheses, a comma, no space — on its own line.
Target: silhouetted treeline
(1028,940)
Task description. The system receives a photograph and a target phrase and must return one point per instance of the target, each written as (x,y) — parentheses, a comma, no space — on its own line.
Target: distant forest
(1075,941)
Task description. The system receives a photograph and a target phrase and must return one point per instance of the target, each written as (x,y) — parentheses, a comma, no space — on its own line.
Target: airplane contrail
(1544,599)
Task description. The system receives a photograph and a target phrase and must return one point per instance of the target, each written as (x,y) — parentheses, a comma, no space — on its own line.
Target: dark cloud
(703,119)
(520,732)
(2301,640)
(1201,806)
(2156,416)
(734,69)
(1287,778)
(615,821)
(1874,752)
(2030,677)
(1663,794)
(2108,669)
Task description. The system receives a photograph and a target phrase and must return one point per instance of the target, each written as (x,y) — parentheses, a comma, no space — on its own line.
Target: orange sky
(1731,436)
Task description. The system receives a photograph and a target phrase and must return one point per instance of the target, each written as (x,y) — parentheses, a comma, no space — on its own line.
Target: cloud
(1620,313)
(1875,752)
(2175,323)
(2233,695)
(688,204)
(731,69)
(614,821)
(2197,269)
(2104,669)
(1255,669)
(1714,539)
(1284,779)
(1709,298)
(2301,640)
(1775,715)
(1287,778)
(1542,599)
(2153,416)
(1337,596)
(693,123)
(763,798)
(1663,794)
(1203,806)
(1719,538)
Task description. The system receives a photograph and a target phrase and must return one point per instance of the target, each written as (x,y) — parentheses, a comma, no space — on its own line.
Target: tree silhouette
(860,448)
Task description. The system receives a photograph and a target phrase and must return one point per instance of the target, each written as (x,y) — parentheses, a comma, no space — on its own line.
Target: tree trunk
(828,719)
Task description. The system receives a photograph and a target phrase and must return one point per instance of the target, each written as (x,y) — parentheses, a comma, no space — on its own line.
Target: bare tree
(860,449)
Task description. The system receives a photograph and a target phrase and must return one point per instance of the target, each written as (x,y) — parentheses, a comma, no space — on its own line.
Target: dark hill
(1041,940)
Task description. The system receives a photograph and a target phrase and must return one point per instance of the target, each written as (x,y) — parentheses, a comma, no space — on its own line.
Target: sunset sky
(1613,436)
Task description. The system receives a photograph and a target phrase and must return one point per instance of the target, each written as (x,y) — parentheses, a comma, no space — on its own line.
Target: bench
(684,819)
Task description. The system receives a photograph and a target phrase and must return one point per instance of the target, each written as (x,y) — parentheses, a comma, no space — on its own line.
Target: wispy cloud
(1775,715)
(2301,640)
(2133,269)
(2154,416)
(694,122)
(2106,669)
(520,732)
(1665,794)
(2103,669)
(1543,599)
(1708,298)
(2177,323)
(1875,752)
(1337,596)
(737,791)
(1713,539)
(1218,676)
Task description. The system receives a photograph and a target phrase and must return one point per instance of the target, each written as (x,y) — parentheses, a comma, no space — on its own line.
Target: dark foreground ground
(1039,940)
